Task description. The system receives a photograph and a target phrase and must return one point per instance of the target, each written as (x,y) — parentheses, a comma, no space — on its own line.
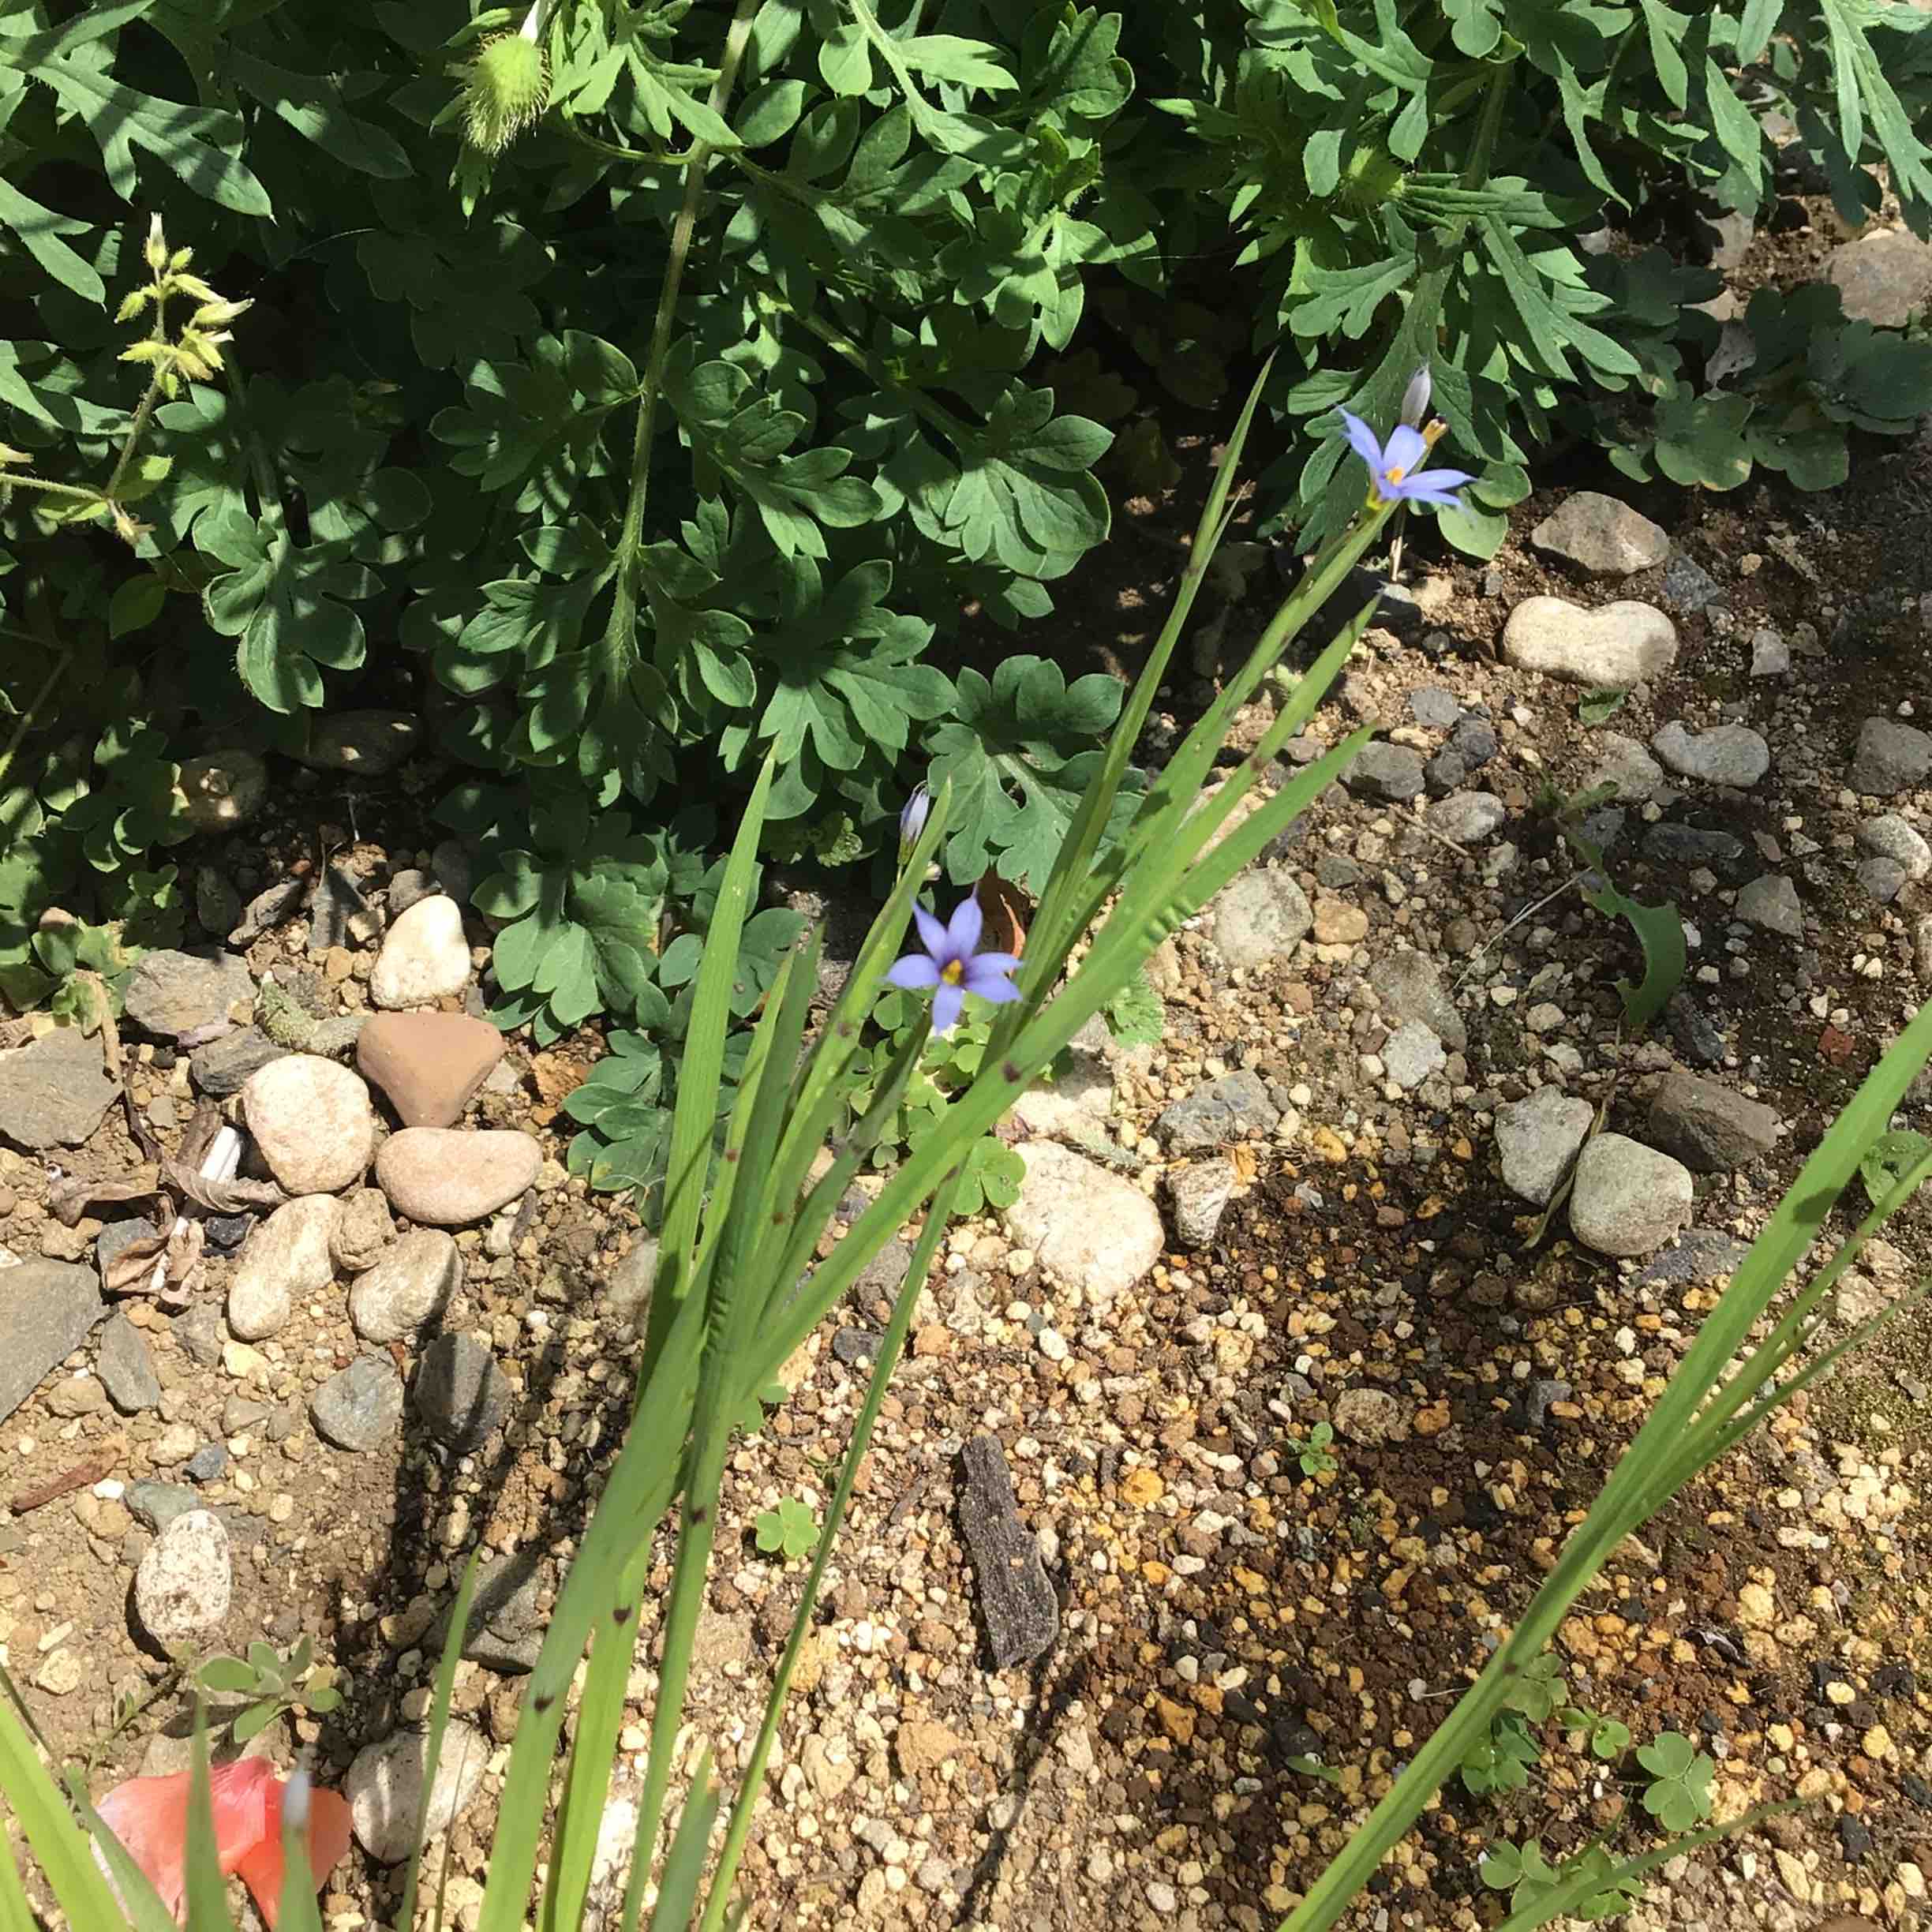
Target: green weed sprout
(791,1528)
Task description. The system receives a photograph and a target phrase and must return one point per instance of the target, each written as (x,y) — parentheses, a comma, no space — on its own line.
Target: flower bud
(1416,397)
(157,245)
(507,89)
(913,820)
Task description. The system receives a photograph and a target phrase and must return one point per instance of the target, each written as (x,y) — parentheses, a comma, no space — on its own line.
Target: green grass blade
(701,1071)
(713,1417)
(298,1910)
(439,1727)
(57,1842)
(208,1891)
(16,1914)
(684,1863)
(1083,839)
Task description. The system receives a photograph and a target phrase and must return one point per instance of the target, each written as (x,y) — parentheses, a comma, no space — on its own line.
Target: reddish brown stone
(428,1063)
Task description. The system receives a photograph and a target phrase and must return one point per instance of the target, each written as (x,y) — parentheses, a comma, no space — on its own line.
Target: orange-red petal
(150,1817)
(263,1869)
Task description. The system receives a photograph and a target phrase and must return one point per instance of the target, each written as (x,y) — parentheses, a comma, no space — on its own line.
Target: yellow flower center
(1395,475)
(953,972)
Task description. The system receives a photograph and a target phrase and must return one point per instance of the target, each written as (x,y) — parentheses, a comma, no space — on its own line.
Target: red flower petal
(150,1817)
(263,1867)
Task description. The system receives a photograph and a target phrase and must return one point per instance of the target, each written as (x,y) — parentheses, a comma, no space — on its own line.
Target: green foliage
(1679,1793)
(273,1683)
(993,1172)
(1408,183)
(1891,1158)
(1805,377)
(1527,1875)
(631,521)
(1538,1692)
(790,1529)
(1606,1739)
(1500,1760)
(1315,1455)
(1659,929)
(1137,1016)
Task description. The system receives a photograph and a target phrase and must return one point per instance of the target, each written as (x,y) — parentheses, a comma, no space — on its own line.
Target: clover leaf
(1679,1794)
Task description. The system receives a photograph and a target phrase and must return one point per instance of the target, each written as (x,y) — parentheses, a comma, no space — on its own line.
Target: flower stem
(26,717)
(620,632)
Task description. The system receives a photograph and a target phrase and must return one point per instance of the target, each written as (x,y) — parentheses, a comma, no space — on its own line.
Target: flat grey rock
(125,1368)
(55,1091)
(1410,987)
(48,1309)
(176,995)
(1601,536)
(1727,754)
(459,1391)
(1229,1109)
(359,1407)
(1706,1125)
(1771,901)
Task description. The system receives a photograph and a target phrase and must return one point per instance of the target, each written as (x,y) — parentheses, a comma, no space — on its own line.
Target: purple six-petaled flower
(950,969)
(1393,476)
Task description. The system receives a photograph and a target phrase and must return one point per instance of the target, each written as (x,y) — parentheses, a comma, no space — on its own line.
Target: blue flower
(950,969)
(1393,476)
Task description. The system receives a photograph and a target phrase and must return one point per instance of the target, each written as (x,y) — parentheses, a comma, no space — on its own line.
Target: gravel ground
(1318,1199)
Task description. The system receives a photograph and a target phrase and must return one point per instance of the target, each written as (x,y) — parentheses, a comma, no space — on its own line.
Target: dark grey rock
(268,910)
(54,1091)
(406,887)
(222,1066)
(1694,1031)
(881,1278)
(1433,706)
(1708,1127)
(218,905)
(1445,772)
(460,1392)
(1228,1109)
(360,1407)
(855,1347)
(174,995)
(156,1504)
(125,1368)
(1884,879)
(1697,1255)
(1688,585)
(200,1333)
(1688,847)
(454,872)
(209,1464)
(226,1232)
(1771,901)
(1603,827)
(1337,872)
(1543,1391)
(503,1634)
(48,1309)
(1016,1598)
(1890,757)
(1386,771)
(338,900)
(117,1238)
